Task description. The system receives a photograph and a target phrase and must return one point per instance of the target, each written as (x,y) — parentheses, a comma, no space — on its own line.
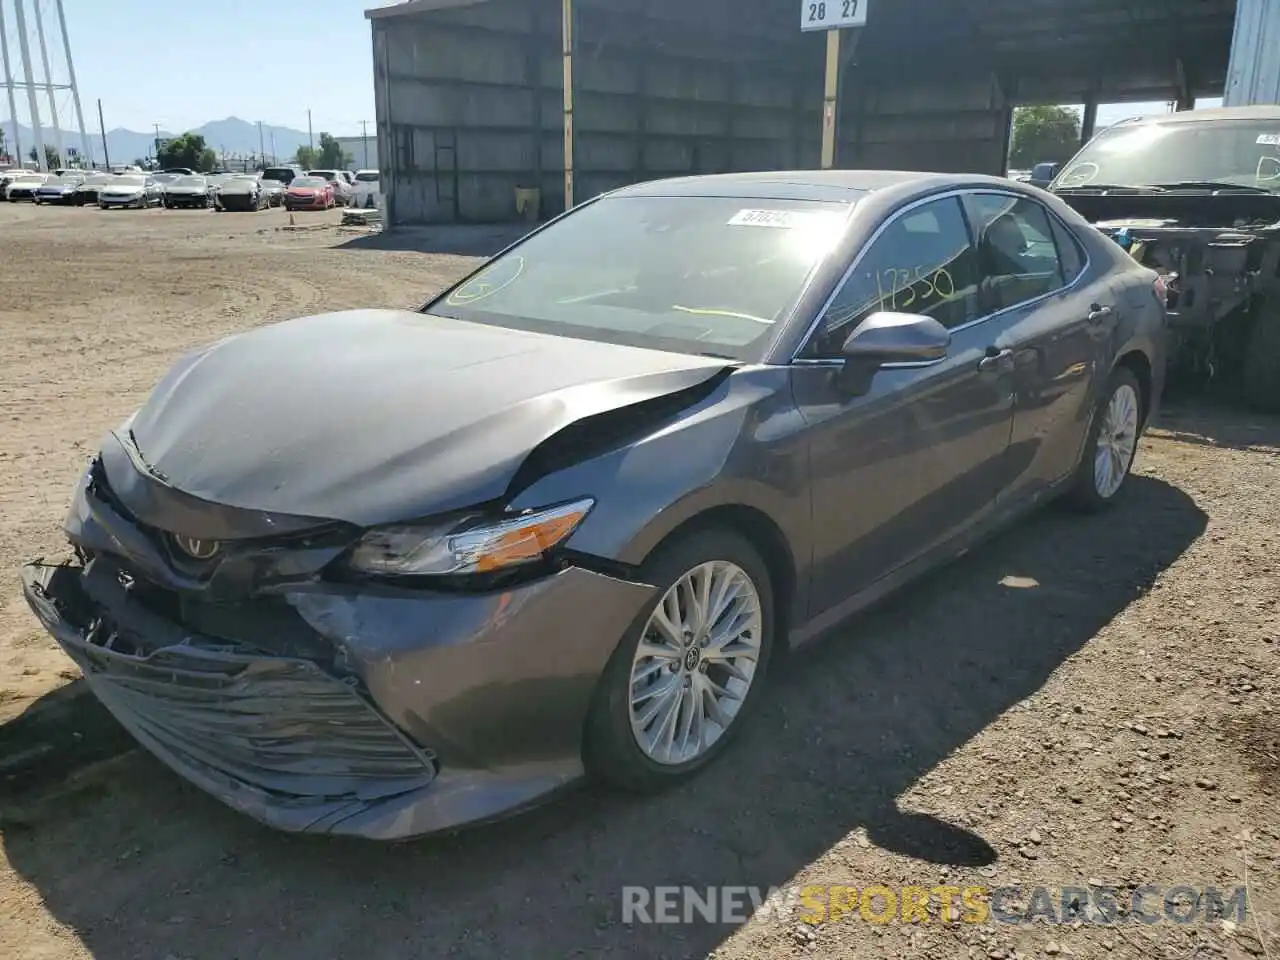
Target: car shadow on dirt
(463,240)
(146,866)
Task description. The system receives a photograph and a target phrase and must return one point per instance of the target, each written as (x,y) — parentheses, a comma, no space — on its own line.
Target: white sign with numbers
(830,14)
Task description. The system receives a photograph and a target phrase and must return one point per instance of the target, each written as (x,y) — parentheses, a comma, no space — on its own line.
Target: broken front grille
(279,725)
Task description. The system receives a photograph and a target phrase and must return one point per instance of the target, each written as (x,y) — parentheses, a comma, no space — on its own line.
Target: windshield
(367,176)
(189,182)
(1241,152)
(282,174)
(708,275)
(326,174)
(311,182)
(126,181)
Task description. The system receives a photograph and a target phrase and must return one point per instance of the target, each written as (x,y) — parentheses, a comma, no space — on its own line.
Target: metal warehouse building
(471,100)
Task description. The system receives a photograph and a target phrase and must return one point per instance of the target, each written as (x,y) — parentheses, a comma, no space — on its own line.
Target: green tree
(308,158)
(1044,134)
(187,150)
(51,158)
(332,156)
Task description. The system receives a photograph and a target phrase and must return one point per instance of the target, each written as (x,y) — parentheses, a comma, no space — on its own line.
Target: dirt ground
(1079,702)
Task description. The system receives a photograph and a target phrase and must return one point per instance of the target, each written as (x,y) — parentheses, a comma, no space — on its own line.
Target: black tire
(610,751)
(1261,376)
(1084,494)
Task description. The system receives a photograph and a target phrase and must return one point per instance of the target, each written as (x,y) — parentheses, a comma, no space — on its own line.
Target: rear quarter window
(1069,253)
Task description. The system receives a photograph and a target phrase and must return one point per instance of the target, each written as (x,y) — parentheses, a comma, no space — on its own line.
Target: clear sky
(183,65)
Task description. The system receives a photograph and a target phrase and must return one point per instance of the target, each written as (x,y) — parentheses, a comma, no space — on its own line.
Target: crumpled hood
(375,416)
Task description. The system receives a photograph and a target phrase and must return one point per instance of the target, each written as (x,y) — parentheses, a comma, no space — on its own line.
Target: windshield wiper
(1107,187)
(1213,185)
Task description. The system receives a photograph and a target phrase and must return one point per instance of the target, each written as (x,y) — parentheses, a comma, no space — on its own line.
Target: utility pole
(262,147)
(102,129)
(8,86)
(310,139)
(364,134)
(274,158)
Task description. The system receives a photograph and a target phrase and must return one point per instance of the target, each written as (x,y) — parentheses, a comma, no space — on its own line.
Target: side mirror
(890,338)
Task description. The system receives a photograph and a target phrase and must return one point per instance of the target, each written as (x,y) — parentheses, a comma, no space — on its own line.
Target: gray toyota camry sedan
(386,572)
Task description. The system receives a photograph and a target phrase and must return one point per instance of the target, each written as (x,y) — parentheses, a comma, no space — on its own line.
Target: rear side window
(1017,252)
(1069,253)
(921,263)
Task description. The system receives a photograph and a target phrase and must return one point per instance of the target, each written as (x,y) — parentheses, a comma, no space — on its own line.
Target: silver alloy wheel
(1117,441)
(695,662)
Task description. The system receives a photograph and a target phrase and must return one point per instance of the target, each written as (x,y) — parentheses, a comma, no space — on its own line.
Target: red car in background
(309,193)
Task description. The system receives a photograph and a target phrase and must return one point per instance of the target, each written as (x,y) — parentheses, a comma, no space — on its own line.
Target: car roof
(834,185)
(1262,111)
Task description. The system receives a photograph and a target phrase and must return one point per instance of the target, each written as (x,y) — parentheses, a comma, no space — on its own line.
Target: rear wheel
(1262,359)
(689,672)
(1112,443)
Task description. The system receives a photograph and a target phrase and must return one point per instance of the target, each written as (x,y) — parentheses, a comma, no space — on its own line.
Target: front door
(922,455)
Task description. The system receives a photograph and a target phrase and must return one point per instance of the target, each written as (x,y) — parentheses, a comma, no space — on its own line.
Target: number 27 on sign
(830,14)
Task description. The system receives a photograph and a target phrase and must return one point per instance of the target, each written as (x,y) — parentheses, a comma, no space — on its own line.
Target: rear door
(920,457)
(1057,316)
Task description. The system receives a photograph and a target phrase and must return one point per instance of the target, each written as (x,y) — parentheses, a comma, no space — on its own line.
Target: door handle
(1099,312)
(996,360)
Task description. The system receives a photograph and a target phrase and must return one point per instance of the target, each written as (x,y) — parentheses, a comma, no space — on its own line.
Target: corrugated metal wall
(1253,75)
(469,98)
(469,103)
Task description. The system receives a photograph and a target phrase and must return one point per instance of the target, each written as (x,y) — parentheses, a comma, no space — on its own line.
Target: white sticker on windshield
(1270,139)
(783,219)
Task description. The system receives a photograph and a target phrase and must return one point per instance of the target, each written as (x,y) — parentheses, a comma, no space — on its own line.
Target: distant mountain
(232,135)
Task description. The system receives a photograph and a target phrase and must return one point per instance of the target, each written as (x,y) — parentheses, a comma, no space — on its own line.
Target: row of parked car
(290,187)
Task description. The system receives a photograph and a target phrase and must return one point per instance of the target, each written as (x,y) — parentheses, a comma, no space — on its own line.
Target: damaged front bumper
(350,709)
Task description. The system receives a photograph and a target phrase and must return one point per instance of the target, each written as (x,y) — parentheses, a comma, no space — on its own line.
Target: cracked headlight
(469,545)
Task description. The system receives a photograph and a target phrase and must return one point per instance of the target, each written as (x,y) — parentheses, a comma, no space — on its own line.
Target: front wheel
(1111,445)
(689,672)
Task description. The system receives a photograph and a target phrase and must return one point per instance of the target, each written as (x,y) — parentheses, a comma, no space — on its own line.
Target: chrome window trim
(958,193)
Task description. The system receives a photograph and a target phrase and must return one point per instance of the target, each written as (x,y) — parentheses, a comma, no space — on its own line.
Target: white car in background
(131,190)
(365,191)
(24,186)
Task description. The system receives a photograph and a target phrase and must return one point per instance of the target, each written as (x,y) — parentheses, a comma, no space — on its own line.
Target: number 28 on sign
(831,14)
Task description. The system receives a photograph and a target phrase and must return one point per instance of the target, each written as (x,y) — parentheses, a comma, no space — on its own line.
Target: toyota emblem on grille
(197,549)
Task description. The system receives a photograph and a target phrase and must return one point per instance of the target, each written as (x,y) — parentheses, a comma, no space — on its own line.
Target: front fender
(741,446)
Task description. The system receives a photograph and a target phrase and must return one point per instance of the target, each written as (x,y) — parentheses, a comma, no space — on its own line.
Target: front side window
(921,263)
(706,275)
(1017,254)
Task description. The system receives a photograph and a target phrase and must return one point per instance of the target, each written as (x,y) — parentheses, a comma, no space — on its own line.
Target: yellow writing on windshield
(487,282)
